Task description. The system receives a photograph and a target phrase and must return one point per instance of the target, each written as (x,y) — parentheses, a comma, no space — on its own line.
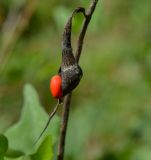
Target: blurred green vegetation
(111,108)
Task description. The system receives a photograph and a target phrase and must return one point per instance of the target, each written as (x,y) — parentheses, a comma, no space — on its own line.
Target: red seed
(55,86)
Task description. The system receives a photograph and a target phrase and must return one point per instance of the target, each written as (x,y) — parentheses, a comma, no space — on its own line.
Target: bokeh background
(111,108)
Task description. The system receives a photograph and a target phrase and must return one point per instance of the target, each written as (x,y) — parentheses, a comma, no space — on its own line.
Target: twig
(67,99)
(49,119)
(65,116)
(84,29)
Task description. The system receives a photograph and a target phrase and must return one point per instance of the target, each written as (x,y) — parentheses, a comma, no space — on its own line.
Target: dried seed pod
(71,72)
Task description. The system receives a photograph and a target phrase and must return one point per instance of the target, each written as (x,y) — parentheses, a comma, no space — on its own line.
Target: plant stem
(65,116)
(67,99)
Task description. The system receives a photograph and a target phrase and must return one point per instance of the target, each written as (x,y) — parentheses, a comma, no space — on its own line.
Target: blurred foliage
(24,133)
(3,146)
(32,119)
(111,107)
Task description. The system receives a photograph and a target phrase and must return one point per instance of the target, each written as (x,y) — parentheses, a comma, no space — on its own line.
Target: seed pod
(70,71)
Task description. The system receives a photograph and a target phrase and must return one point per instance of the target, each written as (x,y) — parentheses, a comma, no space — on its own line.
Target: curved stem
(49,119)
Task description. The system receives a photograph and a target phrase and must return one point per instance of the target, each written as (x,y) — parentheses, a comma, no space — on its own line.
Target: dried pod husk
(70,71)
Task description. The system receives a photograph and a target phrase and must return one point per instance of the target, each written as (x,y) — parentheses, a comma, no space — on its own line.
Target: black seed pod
(71,72)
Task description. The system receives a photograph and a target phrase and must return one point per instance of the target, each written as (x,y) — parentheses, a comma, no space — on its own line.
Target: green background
(111,108)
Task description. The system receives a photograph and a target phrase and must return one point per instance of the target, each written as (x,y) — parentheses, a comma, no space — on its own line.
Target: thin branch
(64,123)
(67,99)
(84,29)
(49,119)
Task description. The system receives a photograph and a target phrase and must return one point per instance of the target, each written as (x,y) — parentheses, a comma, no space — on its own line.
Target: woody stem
(67,99)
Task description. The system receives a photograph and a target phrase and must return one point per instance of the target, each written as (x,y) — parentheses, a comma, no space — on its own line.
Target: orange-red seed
(55,86)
